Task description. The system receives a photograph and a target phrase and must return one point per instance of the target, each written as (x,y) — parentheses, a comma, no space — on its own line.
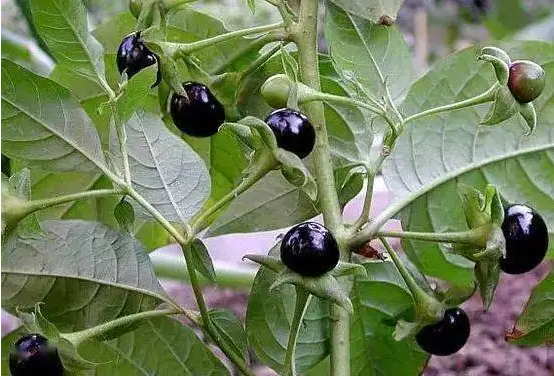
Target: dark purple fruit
(201,114)
(526,81)
(526,239)
(133,56)
(293,131)
(32,356)
(309,249)
(447,336)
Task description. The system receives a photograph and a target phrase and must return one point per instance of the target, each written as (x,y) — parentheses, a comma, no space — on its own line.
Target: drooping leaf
(231,329)
(255,209)
(269,317)
(161,346)
(535,326)
(381,12)
(84,272)
(372,54)
(380,299)
(43,124)
(164,169)
(63,24)
(437,153)
(202,261)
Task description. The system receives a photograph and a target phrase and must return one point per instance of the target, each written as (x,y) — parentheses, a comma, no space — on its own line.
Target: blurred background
(433,29)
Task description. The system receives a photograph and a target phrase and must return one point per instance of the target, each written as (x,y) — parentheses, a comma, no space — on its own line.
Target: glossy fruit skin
(293,131)
(447,336)
(526,81)
(133,56)
(201,114)
(32,355)
(526,239)
(309,249)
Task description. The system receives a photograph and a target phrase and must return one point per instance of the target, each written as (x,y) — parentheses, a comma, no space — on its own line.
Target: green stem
(285,10)
(35,205)
(302,300)
(485,97)
(255,45)
(122,138)
(187,48)
(331,98)
(340,341)
(477,236)
(256,64)
(167,267)
(206,322)
(97,331)
(263,165)
(305,36)
(426,306)
(366,209)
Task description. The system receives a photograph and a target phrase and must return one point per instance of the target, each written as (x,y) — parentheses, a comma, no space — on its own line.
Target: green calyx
(276,91)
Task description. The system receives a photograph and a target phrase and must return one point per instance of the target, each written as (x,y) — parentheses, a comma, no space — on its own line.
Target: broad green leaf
(84,272)
(381,12)
(438,152)
(201,260)
(379,300)
(256,209)
(124,215)
(152,235)
(372,54)
(164,169)
(25,53)
(63,24)
(161,346)
(43,124)
(268,321)
(231,329)
(535,326)
(135,94)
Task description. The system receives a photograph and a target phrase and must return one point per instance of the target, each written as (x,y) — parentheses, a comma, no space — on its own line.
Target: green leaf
(135,93)
(63,24)
(372,54)
(231,329)
(535,326)
(84,272)
(269,317)
(382,12)
(153,235)
(124,215)
(255,209)
(252,5)
(43,124)
(437,153)
(164,169)
(201,260)
(380,299)
(161,346)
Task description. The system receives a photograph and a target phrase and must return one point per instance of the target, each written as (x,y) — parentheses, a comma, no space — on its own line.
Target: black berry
(526,80)
(133,56)
(293,131)
(201,114)
(526,239)
(447,336)
(309,249)
(32,355)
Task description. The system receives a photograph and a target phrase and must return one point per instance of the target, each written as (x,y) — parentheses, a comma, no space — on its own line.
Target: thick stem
(340,341)
(97,331)
(427,307)
(35,205)
(305,36)
(122,138)
(487,96)
(187,48)
(302,301)
(262,166)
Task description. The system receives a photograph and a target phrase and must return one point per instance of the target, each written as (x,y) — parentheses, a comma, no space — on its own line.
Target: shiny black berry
(133,56)
(32,355)
(293,131)
(526,81)
(447,336)
(201,114)
(526,239)
(309,249)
